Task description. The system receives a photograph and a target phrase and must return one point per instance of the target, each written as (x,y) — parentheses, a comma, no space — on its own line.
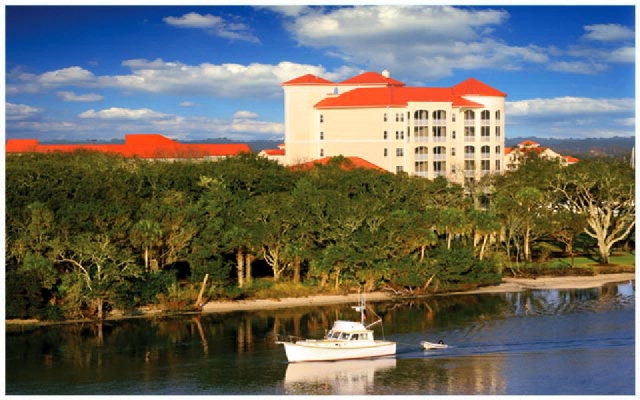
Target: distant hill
(614,146)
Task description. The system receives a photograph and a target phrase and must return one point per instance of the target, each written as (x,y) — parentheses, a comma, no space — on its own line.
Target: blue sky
(190,73)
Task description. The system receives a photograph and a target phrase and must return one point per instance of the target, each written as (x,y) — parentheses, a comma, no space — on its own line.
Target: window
(453,134)
(469,115)
(485,115)
(385,117)
(453,151)
(440,115)
(497,165)
(469,165)
(484,133)
(469,134)
(399,152)
(497,131)
(421,153)
(385,135)
(321,135)
(497,150)
(399,169)
(485,165)
(469,152)
(321,118)
(453,117)
(321,152)
(397,117)
(386,152)
(498,115)
(485,151)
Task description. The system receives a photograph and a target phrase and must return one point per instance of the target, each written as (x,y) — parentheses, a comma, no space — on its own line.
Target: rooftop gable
(372,78)
(308,79)
(473,86)
(347,164)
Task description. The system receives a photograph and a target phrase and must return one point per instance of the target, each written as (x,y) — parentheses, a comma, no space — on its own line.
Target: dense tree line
(87,230)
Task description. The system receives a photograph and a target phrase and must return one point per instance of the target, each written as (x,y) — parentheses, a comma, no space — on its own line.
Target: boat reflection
(350,377)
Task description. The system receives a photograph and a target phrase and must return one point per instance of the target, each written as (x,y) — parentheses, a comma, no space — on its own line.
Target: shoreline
(507,285)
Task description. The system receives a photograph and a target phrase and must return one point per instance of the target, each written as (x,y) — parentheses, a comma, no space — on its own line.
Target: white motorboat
(345,341)
(432,346)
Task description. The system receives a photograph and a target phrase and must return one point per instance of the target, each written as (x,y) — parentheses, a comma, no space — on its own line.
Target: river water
(551,342)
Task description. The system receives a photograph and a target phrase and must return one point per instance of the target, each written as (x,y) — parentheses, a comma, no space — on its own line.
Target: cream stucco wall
(312,133)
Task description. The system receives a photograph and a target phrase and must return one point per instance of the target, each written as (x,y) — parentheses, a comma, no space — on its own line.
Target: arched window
(440,115)
(421,152)
(469,152)
(485,151)
(485,115)
(469,115)
(498,115)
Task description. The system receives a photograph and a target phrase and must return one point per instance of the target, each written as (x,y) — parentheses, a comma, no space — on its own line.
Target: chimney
(386,73)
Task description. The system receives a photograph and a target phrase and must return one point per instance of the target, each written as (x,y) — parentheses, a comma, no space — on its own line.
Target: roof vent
(386,73)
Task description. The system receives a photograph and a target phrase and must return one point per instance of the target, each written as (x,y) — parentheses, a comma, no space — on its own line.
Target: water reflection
(499,344)
(352,377)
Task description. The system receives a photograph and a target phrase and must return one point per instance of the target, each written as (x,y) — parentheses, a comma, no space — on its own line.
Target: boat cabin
(346,330)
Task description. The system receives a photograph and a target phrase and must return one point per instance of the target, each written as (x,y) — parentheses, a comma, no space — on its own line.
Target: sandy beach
(508,285)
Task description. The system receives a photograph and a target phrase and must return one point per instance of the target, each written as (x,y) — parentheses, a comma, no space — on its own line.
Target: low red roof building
(148,146)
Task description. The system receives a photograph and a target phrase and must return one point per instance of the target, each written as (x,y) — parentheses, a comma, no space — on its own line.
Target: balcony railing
(439,122)
(420,122)
(421,157)
(439,138)
(421,139)
(469,122)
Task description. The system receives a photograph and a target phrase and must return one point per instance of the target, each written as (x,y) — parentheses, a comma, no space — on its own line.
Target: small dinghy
(432,346)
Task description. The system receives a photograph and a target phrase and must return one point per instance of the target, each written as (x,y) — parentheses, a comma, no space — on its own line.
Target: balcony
(421,157)
(439,122)
(469,122)
(420,122)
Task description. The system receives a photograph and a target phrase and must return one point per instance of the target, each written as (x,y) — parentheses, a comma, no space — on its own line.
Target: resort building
(456,132)
(514,155)
(147,146)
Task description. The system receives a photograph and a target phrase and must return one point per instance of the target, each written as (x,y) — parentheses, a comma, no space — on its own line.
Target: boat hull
(308,350)
(433,346)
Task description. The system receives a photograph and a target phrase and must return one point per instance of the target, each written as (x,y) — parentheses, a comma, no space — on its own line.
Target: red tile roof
(308,79)
(369,78)
(348,164)
(136,145)
(473,86)
(275,152)
(394,97)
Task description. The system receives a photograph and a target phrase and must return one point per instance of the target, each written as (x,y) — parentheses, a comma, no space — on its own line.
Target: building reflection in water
(349,377)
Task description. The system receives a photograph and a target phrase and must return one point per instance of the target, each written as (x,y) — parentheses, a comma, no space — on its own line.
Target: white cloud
(67,76)
(563,106)
(71,96)
(118,113)
(213,24)
(608,32)
(419,42)
(255,80)
(577,67)
(623,55)
(187,104)
(245,115)
(15,112)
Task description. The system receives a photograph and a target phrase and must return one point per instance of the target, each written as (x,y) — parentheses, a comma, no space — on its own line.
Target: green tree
(603,191)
